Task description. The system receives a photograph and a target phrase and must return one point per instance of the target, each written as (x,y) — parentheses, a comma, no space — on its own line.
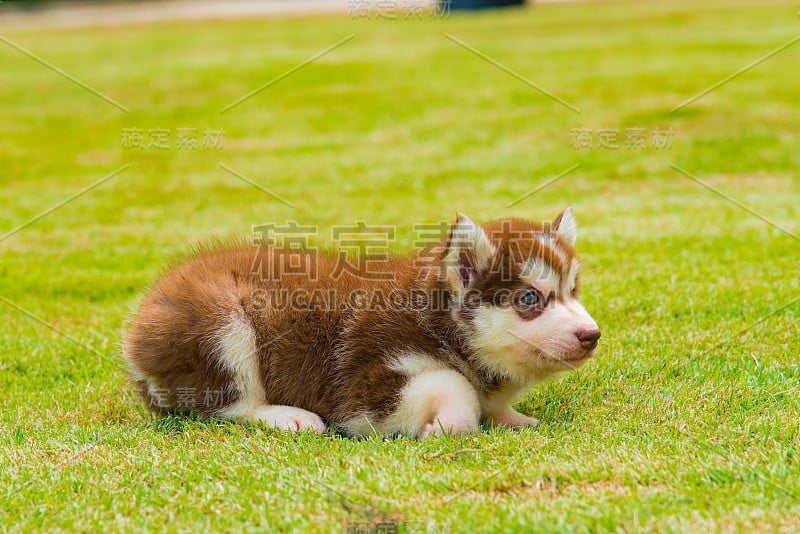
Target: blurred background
(125,11)
(130,131)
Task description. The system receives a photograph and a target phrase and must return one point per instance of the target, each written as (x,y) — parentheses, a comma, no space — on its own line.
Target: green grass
(681,422)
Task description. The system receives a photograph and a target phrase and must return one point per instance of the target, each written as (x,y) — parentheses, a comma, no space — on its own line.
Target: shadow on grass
(182,424)
(557,404)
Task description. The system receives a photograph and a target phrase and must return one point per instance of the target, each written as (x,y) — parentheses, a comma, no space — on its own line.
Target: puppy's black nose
(588,338)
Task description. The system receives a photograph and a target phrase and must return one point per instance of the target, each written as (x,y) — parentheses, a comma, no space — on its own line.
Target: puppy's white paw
(289,418)
(512,419)
(439,427)
(524,421)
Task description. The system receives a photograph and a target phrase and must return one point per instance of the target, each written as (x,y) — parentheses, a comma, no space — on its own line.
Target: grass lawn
(686,420)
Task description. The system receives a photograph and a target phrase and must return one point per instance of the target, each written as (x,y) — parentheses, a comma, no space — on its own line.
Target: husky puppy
(449,340)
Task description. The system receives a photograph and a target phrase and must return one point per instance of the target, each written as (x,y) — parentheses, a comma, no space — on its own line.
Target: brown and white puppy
(447,342)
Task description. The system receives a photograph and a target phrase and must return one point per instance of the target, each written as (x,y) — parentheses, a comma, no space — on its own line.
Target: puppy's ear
(468,252)
(565,226)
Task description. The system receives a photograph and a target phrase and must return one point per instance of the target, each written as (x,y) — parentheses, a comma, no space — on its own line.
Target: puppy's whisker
(540,351)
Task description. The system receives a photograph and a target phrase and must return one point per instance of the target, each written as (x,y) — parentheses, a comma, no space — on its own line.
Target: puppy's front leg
(438,402)
(450,418)
(508,417)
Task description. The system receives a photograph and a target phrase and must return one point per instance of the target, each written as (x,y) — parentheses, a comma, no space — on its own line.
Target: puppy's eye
(531,298)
